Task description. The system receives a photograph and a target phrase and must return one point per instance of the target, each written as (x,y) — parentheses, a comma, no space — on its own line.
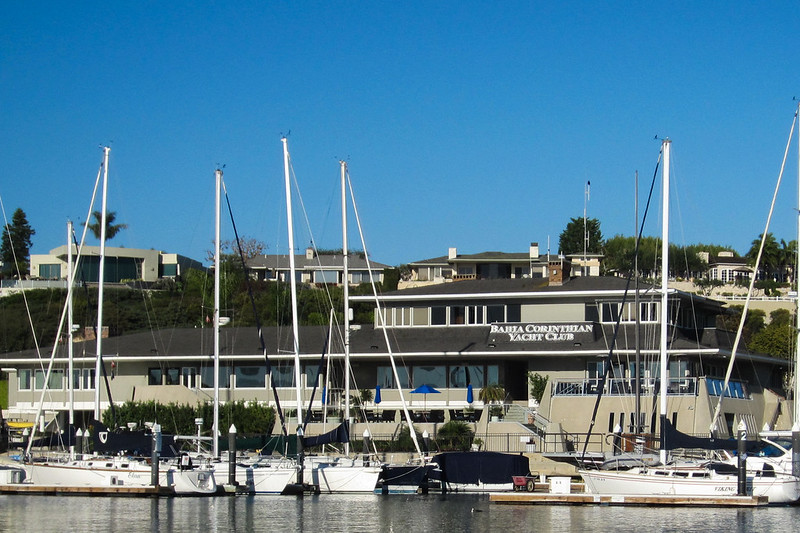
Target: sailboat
(111,471)
(254,476)
(329,474)
(690,478)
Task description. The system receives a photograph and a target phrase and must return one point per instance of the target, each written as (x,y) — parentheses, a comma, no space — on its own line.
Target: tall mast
(292,281)
(346,298)
(217,265)
(664,375)
(70,382)
(796,421)
(637,383)
(100,281)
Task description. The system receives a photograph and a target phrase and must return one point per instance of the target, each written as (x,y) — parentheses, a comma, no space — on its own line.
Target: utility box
(560,485)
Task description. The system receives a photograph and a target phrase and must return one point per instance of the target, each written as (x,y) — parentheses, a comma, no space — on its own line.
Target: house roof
(318,262)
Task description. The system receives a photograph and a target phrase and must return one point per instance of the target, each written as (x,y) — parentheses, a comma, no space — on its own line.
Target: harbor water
(369,513)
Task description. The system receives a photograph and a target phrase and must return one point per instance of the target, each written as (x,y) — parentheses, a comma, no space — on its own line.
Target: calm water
(404,514)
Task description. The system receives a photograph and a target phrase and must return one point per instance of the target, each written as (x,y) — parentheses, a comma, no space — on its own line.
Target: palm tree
(111,228)
(493,393)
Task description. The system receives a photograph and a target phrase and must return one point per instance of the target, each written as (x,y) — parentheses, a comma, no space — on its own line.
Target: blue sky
(473,125)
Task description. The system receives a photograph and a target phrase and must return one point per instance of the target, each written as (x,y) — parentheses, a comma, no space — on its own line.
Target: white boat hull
(342,476)
(259,478)
(779,489)
(112,472)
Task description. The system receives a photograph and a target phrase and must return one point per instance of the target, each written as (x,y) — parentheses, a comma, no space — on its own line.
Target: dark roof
(281,262)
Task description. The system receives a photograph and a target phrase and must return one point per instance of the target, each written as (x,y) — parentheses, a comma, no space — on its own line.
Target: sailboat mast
(100,281)
(637,382)
(70,382)
(796,418)
(292,281)
(346,298)
(217,266)
(664,375)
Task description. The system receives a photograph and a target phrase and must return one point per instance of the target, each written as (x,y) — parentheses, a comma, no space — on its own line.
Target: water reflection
(345,513)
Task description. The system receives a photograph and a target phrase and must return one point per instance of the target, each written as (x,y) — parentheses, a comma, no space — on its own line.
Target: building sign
(544,332)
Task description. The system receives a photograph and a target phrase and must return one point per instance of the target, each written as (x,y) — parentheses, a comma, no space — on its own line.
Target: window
(514,313)
(311,375)
(283,376)
(429,375)
(251,377)
(188,376)
(76,378)
(438,316)
(173,376)
(88,378)
(154,376)
(386,377)
(24,379)
(457,314)
(50,271)
(56,381)
(326,276)
(420,316)
(207,377)
(475,314)
(495,313)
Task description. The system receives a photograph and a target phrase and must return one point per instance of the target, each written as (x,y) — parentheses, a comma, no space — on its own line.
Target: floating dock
(53,490)
(548,498)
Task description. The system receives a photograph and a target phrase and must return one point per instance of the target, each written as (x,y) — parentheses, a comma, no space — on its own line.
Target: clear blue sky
(466,124)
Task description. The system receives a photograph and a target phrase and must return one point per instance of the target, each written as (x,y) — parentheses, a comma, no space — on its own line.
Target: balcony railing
(685,386)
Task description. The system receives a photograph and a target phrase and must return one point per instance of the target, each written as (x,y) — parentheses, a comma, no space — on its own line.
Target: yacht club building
(456,337)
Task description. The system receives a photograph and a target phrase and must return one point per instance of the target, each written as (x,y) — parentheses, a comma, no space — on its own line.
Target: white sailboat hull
(260,478)
(779,489)
(342,476)
(112,472)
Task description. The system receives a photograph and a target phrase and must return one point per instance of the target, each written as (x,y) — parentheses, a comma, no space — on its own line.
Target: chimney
(309,253)
(534,253)
(451,254)
(558,271)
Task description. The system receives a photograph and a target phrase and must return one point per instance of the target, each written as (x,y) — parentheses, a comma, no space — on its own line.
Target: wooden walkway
(121,490)
(547,498)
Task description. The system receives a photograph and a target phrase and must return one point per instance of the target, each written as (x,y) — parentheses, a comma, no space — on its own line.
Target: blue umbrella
(377,394)
(324,398)
(425,390)
(469,394)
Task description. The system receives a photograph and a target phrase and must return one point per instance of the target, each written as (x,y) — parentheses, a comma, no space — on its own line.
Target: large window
(326,276)
(56,381)
(435,376)
(251,377)
(495,313)
(207,377)
(283,376)
(386,377)
(438,316)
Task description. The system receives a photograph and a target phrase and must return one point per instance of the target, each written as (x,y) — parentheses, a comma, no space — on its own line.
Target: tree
(571,240)
(538,385)
(111,228)
(16,245)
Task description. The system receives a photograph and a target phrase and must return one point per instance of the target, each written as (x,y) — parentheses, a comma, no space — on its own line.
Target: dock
(582,498)
(54,490)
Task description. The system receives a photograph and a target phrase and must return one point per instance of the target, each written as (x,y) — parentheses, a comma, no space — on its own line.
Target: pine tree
(16,245)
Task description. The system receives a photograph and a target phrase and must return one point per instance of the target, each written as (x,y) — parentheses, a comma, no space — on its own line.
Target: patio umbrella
(425,390)
(469,394)
(377,394)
